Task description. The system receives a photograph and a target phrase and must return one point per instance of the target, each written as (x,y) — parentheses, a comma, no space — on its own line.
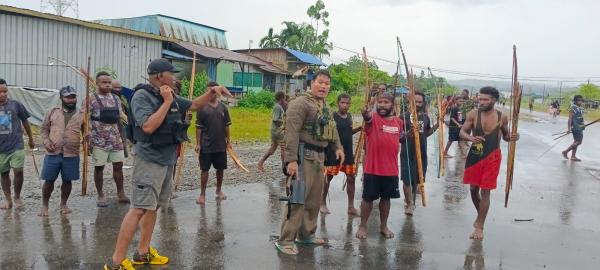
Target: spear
(415,127)
(515,107)
(86,125)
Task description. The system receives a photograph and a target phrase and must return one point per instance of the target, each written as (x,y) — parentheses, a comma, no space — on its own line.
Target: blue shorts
(68,167)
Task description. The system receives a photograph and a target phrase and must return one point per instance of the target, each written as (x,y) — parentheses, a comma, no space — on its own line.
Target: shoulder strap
(99,101)
(499,117)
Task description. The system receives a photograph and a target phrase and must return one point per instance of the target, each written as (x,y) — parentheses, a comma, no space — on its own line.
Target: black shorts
(375,187)
(454,135)
(409,170)
(217,160)
(578,135)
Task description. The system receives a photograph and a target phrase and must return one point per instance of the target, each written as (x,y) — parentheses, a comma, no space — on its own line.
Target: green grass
(590,115)
(248,125)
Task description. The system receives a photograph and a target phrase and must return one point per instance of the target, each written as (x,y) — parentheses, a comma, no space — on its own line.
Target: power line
(481,75)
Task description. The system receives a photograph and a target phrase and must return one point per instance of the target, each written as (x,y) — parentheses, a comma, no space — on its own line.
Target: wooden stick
(562,134)
(515,107)
(86,126)
(236,159)
(181,159)
(35,166)
(415,127)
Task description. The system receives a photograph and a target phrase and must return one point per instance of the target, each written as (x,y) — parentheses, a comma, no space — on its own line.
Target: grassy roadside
(248,125)
(590,115)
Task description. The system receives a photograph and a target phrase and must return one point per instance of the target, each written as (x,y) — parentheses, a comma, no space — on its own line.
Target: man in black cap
(61,133)
(157,130)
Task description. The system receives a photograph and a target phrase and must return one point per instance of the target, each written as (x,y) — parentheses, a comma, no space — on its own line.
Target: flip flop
(288,250)
(312,241)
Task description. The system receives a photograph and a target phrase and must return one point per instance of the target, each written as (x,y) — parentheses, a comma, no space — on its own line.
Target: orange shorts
(348,169)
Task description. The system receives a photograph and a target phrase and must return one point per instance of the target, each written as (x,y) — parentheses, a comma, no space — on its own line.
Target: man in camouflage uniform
(303,122)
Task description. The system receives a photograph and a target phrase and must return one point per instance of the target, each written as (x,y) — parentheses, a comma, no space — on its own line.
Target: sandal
(288,249)
(312,241)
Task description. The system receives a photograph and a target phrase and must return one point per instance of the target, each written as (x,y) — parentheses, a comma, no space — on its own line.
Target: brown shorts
(348,169)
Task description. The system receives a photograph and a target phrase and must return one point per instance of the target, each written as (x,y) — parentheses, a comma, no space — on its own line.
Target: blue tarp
(306,57)
(402,90)
(175,55)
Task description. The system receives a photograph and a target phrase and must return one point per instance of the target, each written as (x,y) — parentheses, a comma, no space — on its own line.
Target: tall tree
(270,41)
(302,36)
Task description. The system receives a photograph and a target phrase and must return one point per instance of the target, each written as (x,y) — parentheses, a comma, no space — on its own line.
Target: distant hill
(504,86)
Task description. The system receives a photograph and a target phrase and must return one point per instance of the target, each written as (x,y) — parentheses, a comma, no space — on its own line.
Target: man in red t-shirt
(380,179)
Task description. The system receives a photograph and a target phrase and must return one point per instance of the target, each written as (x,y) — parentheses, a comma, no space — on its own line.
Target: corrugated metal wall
(27,42)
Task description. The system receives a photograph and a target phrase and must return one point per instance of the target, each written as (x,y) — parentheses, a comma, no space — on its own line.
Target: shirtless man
(484,127)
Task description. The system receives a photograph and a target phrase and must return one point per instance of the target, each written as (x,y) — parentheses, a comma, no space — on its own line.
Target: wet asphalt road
(560,196)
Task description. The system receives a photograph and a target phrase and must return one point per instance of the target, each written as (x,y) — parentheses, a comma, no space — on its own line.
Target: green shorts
(14,160)
(102,157)
(151,184)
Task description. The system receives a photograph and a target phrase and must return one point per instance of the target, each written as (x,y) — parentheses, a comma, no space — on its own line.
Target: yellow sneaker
(124,265)
(152,257)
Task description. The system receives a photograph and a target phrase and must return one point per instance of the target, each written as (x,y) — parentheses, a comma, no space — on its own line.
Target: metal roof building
(172,27)
(29,38)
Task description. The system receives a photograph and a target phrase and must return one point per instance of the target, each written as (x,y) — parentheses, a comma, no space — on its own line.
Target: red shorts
(348,169)
(484,173)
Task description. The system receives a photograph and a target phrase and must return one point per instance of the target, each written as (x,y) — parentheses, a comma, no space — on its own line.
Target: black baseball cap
(161,65)
(67,91)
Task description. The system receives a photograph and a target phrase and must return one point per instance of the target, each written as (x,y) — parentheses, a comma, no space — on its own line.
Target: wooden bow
(515,107)
(89,82)
(361,138)
(188,117)
(440,119)
(415,126)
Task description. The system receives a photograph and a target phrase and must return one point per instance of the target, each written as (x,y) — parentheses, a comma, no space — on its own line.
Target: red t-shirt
(383,143)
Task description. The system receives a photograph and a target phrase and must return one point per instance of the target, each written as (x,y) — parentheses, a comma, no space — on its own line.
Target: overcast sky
(553,38)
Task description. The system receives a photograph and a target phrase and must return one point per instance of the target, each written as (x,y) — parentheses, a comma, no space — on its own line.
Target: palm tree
(270,41)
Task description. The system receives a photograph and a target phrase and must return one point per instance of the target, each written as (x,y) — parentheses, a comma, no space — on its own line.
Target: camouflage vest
(324,127)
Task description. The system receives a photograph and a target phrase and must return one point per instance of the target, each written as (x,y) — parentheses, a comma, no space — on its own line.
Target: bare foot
(362,232)
(386,232)
(477,234)
(575,159)
(409,209)
(201,200)
(101,202)
(564,154)
(65,210)
(43,212)
(261,167)
(6,205)
(221,196)
(18,203)
(353,212)
(122,198)
(324,210)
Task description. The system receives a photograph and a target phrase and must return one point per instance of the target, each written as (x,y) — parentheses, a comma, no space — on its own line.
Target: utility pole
(560,91)
(544,95)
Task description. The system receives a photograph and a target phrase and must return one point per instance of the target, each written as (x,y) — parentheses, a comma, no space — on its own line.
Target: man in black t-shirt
(408,166)
(456,122)
(212,140)
(343,121)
